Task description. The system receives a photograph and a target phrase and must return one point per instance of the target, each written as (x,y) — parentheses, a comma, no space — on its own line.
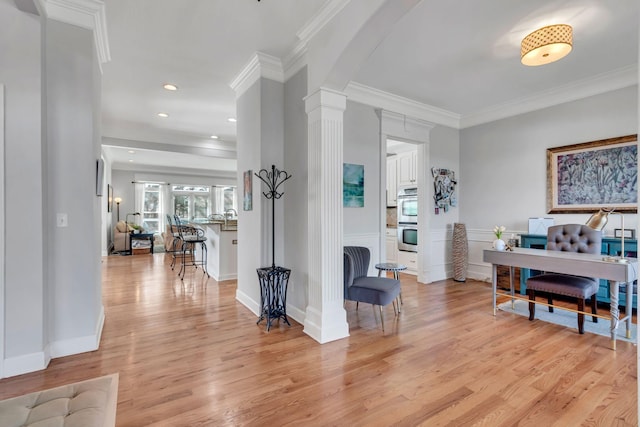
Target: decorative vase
(499,245)
(460,252)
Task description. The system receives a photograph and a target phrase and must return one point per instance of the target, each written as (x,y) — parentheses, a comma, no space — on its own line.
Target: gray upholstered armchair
(359,287)
(568,238)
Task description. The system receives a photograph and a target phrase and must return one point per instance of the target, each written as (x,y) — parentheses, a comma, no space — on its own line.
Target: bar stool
(190,237)
(176,243)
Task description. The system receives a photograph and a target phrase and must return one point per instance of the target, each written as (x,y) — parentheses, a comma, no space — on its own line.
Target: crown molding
(296,59)
(320,19)
(602,83)
(260,65)
(89,14)
(407,107)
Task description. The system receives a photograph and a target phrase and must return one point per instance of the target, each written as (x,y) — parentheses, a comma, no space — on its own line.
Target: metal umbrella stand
(274,279)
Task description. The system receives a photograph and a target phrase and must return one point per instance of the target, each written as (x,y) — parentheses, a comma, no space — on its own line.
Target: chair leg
(550,301)
(581,315)
(532,305)
(381,317)
(357,302)
(594,308)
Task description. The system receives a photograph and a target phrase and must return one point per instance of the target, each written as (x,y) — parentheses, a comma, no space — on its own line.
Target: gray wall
(260,136)
(52,144)
(504,162)
(20,72)
(362,147)
(73,146)
(444,153)
(296,191)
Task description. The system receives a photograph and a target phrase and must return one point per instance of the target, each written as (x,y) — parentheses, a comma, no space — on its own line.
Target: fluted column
(325,318)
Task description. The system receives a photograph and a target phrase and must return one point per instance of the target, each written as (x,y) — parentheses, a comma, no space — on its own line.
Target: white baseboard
(78,345)
(325,327)
(247,301)
(222,278)
(296,314)
(24,364)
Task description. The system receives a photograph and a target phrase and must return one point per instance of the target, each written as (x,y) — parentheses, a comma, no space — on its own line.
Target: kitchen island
(222,248)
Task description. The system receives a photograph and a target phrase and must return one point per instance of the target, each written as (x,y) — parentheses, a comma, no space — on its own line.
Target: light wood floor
(189,355)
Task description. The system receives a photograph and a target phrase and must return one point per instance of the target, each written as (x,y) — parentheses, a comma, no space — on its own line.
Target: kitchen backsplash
(392,217)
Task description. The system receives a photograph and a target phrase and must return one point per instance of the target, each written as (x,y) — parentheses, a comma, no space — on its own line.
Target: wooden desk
(589,265)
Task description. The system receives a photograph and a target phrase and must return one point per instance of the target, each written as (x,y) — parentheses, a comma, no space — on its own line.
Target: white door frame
(2,234)
(402,128)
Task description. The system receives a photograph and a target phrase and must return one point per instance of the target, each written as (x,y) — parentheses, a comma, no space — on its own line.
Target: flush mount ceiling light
(163,115)
(214,137)
(169,86)
(546,45)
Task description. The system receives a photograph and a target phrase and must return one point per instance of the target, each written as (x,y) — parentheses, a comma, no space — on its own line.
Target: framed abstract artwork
(109,198)
(582,178)
(247,199)
(352,185)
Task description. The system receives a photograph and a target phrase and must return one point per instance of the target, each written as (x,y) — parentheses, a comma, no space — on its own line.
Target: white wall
(503,164)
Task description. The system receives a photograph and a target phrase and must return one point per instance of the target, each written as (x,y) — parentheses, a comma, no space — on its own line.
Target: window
(191,202)
(151,208)
(224,198)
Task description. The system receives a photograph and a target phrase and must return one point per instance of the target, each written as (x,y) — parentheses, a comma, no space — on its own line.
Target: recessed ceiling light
(169,86)
(131,152)
(232,119)
(214,136)
(163,115)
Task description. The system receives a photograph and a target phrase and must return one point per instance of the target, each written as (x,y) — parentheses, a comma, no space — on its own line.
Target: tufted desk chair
(568,238)
(359,287)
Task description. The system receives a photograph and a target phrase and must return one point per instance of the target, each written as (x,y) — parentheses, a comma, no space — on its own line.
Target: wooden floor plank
(189,354)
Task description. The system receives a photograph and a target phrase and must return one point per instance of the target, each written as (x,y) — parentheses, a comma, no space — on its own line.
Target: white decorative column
(325,319)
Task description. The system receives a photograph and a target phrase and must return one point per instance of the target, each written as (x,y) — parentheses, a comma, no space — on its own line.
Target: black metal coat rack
(273,280)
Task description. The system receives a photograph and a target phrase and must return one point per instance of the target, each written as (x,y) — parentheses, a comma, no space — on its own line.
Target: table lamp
(599,220)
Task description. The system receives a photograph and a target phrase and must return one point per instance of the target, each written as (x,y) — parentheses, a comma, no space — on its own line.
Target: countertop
(228,225)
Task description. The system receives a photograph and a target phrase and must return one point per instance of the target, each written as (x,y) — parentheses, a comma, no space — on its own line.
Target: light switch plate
(61,220)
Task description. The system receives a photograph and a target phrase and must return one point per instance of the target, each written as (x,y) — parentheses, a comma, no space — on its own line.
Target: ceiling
(460,58)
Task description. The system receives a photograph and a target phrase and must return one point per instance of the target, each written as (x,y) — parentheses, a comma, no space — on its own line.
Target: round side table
(391,266)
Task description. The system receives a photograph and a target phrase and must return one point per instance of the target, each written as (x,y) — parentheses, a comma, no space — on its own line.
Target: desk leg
(512,287)
(494,285)
(629,308)
(615,312)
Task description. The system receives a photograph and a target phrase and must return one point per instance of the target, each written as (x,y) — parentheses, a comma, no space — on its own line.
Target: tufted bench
(90,403)
(568,238)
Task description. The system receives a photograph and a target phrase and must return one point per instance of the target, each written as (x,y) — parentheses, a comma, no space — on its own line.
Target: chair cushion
(564,284)
(374,290)
(574,238)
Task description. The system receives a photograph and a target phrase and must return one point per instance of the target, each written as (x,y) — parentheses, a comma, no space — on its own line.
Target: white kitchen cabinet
(407,165)
(392,245)
(392,182)
(410,259)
